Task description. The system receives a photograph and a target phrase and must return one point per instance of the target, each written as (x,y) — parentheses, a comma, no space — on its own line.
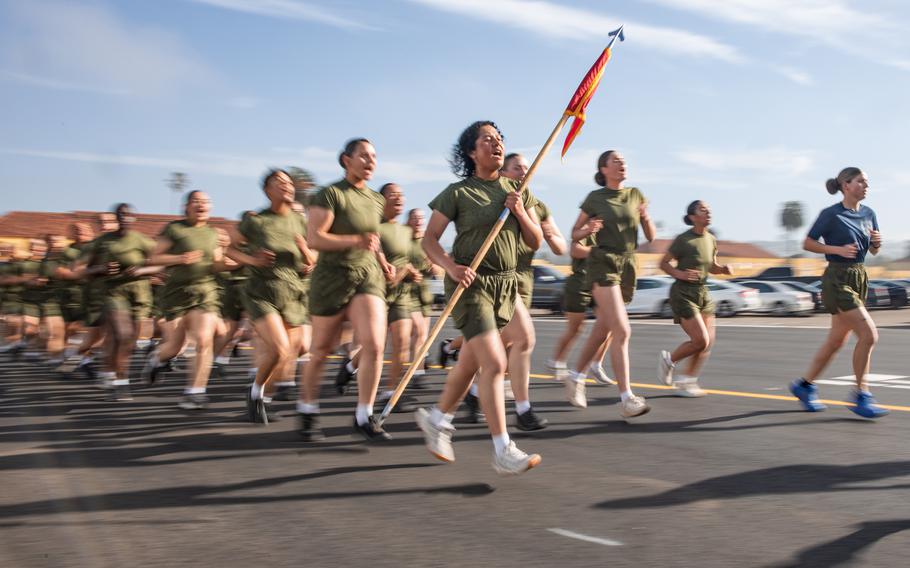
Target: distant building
(17,227)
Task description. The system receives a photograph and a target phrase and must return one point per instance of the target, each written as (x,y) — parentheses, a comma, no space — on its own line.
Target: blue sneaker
(807,395)
(866,406)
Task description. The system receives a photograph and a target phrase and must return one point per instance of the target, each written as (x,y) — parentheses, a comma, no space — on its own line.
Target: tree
(177,182)
(792,217)
(304,184)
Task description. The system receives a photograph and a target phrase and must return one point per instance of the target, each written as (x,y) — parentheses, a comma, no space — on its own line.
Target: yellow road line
(709,391)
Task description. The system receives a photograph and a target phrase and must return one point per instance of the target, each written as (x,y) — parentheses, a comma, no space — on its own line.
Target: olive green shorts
(688,299)
(305,299)
(31,310)
(176,300)
(274,296)
(333,287)
(134,297)
(400,303)
(92,304)
(844,287)
(525,282)
(487,305)
(422,297)
(51,309)
(12,307)
(576,296)
(72,313)
(611,269)
(231,300)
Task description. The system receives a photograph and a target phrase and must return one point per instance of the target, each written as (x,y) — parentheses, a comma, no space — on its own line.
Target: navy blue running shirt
(839,226)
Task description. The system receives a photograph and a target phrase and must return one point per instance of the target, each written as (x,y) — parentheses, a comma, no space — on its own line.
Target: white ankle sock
(256,391)
(307,407)
(577,377)
(363,413)
(626,395)
(500,442)
(437,417)
(350,367)
(522,406)
(194,390)
(473,389)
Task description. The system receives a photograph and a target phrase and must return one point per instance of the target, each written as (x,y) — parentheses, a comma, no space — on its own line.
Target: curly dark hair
(460,161)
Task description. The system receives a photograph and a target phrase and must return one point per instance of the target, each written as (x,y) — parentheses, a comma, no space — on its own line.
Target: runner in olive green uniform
(232,284)
(15,278)
(92,296)
(474,204)
(348,282)
(614,213)
(577,299)
(849,231)
(126,292)
(421,295)
(519,336)
(52,308)
(189,298)
(695,252)
(33,296)
(397,245)
(275,237)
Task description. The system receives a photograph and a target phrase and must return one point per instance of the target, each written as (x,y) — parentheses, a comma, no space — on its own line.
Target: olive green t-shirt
(129,250)
(419,258)
(14,268)
(618,209)
(355,211)
(474,205)
(526,253)
(278,233)
(186,238)
(49,266)
(580,265)
(694,251)
(70,255)
(32,294)
(397,242)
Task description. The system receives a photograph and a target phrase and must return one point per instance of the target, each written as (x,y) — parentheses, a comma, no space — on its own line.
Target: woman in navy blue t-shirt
(844,233)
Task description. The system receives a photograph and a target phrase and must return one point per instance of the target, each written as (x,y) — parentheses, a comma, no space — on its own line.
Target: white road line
(586,538)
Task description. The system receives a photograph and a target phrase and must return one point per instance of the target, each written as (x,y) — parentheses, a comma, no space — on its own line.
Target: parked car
(779,299)
(549,285)
(438,289)
(731,298)
(778,273)
(816,293)
(896,290)
(652,296)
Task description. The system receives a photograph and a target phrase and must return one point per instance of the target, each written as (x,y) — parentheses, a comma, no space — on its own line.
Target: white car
(651,296)
(778,299)
(731,298)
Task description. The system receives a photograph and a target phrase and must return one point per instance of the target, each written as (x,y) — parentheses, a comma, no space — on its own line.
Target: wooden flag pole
(478,258)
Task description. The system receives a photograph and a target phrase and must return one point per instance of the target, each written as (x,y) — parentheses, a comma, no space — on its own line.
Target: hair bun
(687,221)
(832,186)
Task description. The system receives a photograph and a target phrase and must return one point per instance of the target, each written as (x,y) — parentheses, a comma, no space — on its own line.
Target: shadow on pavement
(790,479)
(844,550)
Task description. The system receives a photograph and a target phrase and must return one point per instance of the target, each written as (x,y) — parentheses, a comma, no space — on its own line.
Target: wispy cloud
(69,46)
(796,75)
(287,10)
(57,85)
(562,22)
(777,161)
(833,23)
(322,162)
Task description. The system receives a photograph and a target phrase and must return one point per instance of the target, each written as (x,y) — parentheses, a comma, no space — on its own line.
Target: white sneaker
(559,368)
(222,360)
(512,461)
(688,388)
(507,390)
(104,381)
(599,374)
(634,406)
(438,439)
(665,368)
(575,390)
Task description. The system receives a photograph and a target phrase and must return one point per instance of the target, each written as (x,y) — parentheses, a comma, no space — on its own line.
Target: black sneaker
(283,393)
(120,393)
(255,409)
(343,377)
(418,382)
(150,372)
(270,413)
(88,367)
(309,428)
(371,431)
(529,421)
(445,355)
(193,402)
(475,415)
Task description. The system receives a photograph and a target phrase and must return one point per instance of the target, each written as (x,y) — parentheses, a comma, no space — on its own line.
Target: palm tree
(792,217)
(304,183)
(177,182)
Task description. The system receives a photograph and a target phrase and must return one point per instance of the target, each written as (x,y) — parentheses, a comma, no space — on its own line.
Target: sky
(745,104)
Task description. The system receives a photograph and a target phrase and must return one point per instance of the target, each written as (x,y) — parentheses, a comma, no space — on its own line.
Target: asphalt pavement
(741,477)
